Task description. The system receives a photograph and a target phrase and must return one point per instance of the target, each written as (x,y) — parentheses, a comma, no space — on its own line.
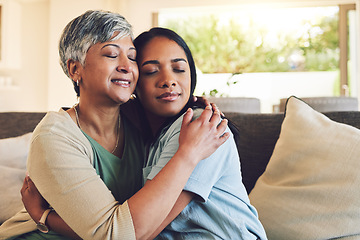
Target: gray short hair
(88,29)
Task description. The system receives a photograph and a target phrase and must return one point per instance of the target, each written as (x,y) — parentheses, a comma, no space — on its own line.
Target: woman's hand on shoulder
(202,101)
(201,137)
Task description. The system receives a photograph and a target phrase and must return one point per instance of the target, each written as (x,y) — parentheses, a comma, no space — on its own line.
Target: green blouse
(123,176)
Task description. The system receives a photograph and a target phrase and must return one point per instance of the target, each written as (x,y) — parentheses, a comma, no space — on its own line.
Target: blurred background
(266,50)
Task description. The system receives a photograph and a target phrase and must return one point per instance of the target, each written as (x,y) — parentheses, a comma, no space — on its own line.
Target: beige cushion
(13,154)
(311,186)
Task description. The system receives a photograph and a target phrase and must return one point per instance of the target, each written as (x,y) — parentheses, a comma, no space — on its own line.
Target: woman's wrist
(186,155)
(38,214)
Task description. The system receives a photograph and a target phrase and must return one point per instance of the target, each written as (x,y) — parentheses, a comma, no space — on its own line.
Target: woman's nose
(125,65)
(167,80)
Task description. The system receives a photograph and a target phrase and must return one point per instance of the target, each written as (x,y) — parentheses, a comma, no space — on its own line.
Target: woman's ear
(74,69)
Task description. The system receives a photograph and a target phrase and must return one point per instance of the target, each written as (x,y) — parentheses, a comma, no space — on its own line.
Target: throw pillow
(310,188)
(13,154)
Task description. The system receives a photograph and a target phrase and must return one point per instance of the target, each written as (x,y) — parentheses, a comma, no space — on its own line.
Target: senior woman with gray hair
(87,161)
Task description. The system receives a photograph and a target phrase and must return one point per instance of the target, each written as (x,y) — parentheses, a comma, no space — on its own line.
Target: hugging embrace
(152,167)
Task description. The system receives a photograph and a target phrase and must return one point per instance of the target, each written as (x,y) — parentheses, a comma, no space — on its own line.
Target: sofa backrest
(13,124)
(258,136)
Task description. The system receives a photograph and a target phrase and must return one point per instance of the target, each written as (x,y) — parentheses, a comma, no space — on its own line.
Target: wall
(61,92)
(40,83)
(29,92)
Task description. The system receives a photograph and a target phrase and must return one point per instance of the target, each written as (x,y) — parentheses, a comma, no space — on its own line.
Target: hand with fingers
(34,203)
(202,136)
(203,102)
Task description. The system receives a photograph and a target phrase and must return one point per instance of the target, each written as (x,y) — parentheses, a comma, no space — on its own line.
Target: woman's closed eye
(179,65)
(154,71)
(112,56)
(131,58)
(110,52)
(148,73)
(178,70)
(149,69)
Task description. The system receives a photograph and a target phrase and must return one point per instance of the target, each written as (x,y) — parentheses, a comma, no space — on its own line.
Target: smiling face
(164,83)
(110,72)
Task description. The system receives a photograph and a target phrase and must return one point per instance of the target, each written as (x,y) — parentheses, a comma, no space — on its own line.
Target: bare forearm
(183,200)
(56,224)
(156,199)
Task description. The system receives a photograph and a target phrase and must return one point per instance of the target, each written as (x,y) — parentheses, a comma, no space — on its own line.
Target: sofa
(271,148)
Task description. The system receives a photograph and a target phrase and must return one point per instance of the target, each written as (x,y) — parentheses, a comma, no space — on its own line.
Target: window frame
(344,46)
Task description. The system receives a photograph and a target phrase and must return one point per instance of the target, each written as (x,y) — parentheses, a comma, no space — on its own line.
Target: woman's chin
(123,99)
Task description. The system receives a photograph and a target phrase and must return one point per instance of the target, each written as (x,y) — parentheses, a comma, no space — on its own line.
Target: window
(269,53)
(347,40)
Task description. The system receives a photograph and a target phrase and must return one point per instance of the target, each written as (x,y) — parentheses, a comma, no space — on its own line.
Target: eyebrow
(117,46)
(110,44)
(157,62)
(178,60)
(150,62)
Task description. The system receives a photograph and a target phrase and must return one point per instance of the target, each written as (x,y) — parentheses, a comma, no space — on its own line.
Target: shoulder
(58,140)
(55,122)
(58,126)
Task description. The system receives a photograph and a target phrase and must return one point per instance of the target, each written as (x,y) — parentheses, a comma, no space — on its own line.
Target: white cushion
(13,155)
(311,186)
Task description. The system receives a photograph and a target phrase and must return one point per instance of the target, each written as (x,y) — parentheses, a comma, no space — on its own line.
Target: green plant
(227,48)
(216,93)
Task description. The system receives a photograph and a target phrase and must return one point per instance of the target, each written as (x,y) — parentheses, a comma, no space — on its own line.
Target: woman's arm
(152,204)
(159,157)
(183,200)
(36,205)
(198,139)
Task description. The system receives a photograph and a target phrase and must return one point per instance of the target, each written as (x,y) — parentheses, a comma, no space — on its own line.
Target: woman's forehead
(162,47)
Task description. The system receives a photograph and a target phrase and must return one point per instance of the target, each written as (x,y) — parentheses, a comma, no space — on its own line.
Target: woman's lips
(121,82)
(169,96)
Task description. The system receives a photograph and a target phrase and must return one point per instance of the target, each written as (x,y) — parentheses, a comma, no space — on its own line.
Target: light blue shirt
(221,208)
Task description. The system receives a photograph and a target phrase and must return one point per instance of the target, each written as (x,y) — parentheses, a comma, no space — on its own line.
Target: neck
(103,136)
(155,121)
(98,118)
